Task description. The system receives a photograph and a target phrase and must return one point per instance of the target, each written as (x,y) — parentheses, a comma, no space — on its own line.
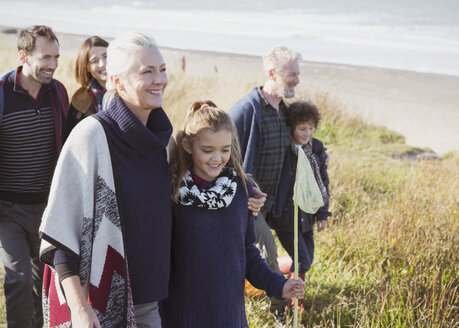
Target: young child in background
(213,231)
(302,118)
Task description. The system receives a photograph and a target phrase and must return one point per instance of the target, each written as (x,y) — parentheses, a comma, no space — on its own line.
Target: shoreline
(424,107)
(232,55)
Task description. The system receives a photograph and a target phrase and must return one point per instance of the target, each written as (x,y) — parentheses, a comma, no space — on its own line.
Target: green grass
(389,257)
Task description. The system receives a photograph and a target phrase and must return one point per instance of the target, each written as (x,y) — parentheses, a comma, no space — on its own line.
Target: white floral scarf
(213,198)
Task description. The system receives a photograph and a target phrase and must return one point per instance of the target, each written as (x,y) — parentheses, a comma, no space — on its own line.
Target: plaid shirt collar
(266,103)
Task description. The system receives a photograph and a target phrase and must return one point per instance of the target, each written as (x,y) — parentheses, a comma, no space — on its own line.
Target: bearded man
(33,107)
(264,137)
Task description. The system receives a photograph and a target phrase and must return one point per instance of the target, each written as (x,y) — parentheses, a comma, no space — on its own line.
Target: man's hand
(257,201)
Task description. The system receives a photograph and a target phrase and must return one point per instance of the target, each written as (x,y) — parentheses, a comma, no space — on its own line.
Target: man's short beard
(288,94)
(36,75)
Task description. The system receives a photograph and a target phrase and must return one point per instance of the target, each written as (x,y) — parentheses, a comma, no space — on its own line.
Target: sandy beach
(422,107)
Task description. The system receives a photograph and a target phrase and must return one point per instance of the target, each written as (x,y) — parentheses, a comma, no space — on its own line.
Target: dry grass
(390,255)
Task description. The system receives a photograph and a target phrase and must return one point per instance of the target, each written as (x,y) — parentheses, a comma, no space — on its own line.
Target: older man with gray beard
(264,138)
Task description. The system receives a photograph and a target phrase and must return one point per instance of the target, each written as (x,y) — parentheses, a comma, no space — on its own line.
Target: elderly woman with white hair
(107,228)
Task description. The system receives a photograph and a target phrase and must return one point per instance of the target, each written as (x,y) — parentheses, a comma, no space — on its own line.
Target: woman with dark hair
(91,74)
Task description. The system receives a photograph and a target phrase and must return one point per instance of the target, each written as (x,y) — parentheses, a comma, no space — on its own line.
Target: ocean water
(421,35)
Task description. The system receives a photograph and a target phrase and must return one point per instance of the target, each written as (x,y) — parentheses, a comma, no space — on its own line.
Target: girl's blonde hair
(203,116)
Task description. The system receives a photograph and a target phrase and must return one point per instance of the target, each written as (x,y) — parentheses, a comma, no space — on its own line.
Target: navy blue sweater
(212,254)
(246,114)
(144,188)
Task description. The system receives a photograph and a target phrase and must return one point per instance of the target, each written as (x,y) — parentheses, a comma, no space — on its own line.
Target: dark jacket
(59,103)
(246,114)
(282,216)
(83,104)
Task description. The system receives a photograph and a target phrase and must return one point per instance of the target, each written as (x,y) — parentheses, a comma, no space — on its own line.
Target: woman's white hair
(120,57)
(278,56)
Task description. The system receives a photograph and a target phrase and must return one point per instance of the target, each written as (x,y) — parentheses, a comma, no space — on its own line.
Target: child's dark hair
(203,116)
(300,112)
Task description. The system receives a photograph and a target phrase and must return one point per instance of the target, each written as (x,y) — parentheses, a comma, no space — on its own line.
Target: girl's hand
(293,288)
(257,201)
(321,225)
(84,317)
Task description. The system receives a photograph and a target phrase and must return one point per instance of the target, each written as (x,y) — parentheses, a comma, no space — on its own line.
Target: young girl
(213,232)
(302,118)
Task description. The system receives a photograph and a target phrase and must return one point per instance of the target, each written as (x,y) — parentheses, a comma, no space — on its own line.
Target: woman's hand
(82,314)
(84,317)
(257,201)
(293,288)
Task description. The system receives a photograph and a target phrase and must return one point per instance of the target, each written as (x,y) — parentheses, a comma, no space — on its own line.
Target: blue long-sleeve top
(212,254)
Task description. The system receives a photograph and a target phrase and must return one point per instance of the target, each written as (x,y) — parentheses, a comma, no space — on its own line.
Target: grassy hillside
(390,255)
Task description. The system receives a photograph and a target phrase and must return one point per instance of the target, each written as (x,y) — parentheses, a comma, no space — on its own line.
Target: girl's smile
(210,151)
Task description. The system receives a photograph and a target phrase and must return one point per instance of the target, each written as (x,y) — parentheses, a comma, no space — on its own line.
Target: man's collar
(265,102)
(262,97)
(17,81)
